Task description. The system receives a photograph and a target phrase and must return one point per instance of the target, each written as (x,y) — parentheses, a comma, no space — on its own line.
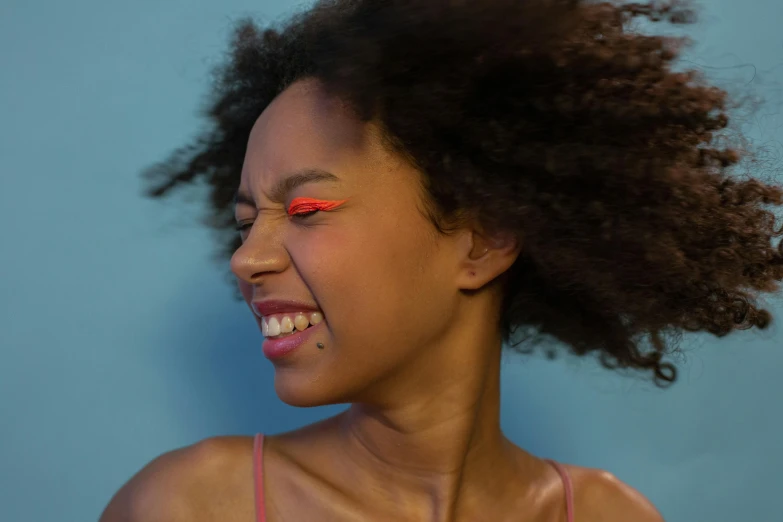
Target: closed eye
(302,208)
(302,215)
(243,226)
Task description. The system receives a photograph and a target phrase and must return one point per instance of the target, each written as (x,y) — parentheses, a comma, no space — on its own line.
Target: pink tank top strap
(258,476)
(567,486)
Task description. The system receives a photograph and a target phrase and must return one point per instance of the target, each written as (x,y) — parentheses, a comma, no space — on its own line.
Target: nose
(258,255)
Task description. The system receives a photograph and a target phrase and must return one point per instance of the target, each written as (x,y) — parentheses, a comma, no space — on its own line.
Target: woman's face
(384,280)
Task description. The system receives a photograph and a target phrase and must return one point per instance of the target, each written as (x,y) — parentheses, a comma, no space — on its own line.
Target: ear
(485,257)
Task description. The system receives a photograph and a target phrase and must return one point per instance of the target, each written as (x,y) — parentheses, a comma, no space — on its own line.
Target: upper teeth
(282,323)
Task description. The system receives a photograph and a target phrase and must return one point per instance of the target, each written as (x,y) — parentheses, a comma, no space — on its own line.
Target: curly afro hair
(555,120)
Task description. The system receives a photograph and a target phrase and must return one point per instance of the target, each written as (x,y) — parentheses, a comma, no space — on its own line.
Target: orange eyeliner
(304,205)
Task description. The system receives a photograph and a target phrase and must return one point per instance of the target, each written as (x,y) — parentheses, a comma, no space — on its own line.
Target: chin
(305,390)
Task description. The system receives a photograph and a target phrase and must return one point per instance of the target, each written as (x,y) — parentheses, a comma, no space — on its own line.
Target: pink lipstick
(281,347)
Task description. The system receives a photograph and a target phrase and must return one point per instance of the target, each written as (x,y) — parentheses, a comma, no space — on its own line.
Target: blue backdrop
(120,340)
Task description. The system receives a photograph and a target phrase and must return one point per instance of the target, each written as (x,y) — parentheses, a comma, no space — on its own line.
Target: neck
(444,454)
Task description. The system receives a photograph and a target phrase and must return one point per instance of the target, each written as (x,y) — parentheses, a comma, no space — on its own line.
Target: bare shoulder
(601,496)
(181,485)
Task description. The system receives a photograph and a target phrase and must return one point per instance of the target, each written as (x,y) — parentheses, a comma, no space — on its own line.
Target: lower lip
(278,348)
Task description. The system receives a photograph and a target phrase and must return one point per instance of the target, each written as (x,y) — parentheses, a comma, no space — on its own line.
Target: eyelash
(302,215)
(241,227)
(311,207)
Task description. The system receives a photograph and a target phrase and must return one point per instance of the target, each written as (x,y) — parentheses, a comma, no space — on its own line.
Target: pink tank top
(258,477)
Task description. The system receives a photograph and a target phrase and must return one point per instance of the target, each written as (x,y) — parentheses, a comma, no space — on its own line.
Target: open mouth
(278,326)
(288,334)
(283,344)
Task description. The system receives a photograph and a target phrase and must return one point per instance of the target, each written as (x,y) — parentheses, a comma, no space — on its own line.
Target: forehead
(304,129)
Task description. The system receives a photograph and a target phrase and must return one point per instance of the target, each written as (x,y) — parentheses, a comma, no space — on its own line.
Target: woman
(417,183)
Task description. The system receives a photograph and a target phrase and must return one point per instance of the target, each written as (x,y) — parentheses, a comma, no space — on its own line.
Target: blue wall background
(120,340)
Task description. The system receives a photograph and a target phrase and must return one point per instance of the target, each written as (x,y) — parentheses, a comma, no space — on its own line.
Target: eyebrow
(289,183)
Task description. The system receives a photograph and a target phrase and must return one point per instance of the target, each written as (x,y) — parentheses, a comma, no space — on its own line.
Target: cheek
(323,260)
(363,274)
(367,268)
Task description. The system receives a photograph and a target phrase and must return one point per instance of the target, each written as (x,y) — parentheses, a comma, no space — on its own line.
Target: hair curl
(552,119)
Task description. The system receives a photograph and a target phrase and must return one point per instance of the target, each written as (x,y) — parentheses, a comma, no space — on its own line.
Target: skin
(411,342)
